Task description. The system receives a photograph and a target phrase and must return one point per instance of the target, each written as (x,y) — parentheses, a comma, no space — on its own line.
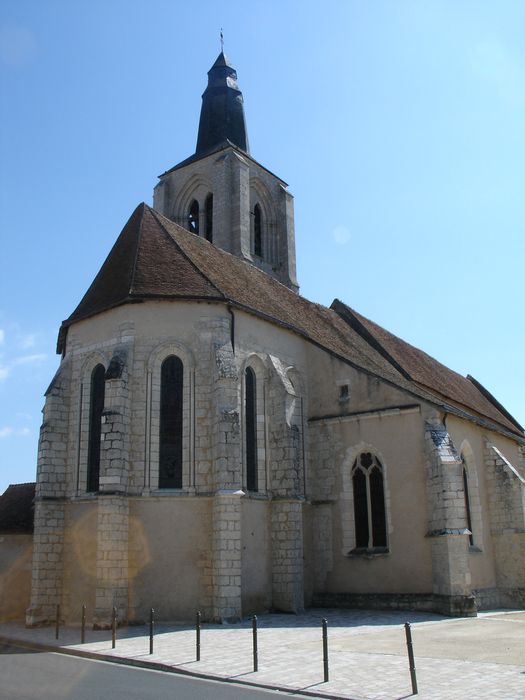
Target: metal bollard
(198,635)
(114,628)
(57,622)
(151,626)
(83,626)
(255,652)
(411,662)
(325,650)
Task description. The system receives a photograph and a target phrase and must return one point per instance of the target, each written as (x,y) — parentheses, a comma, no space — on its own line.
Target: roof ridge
(158,217)
(220,251)
(377,335)
(349,316)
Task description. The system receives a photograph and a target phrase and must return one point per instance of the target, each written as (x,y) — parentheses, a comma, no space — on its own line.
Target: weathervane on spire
(222,40)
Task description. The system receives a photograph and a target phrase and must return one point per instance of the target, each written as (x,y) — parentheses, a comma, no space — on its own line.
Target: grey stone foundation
(450,605)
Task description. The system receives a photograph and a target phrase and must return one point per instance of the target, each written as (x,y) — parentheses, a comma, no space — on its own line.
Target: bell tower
(223,194)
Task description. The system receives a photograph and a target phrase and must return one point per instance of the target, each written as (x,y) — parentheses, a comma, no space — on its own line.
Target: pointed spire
(222,111)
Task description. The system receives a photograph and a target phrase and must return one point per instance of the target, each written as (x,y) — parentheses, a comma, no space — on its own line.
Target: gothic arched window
(208,212)
(193,217)
(467,501)
(96,408)
(257,231)
(170,434)
(250,405)
(369,502)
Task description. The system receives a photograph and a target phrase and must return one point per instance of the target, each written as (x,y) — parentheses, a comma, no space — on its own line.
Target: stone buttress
(287,489)
(448,525)
(227,478)
(506,490)
(112,575)
(48,541)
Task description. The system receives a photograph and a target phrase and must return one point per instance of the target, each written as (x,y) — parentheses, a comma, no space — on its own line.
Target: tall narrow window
(251,429)
(170,436)
(257,231)
(467,503)
(369,502)
(208,210)
(95,427)
(193,217)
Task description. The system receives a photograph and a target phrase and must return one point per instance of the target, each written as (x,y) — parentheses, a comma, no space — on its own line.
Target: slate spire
(222,111)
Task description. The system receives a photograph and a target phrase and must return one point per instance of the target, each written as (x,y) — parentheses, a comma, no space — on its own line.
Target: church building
(214,441)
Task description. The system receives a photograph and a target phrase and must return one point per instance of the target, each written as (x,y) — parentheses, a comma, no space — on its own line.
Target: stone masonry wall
(112,560)
(226,432)
(116,419)
(447,522)
(46,579)
(131,350)
(237,184)
(227,555)
(287,488)
(48,541)
(227,478)
(286,528)
(506,489)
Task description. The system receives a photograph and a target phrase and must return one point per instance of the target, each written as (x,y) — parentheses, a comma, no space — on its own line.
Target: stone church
(214,441)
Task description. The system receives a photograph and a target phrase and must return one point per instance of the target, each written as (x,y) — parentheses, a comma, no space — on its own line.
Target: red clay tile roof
(16,508)
(142,264)
(427,372)
(155,258)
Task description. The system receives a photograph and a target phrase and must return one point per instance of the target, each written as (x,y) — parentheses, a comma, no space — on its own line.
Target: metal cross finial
(222,40)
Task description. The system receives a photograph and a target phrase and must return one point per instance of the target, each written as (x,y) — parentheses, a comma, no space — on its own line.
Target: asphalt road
(31,675)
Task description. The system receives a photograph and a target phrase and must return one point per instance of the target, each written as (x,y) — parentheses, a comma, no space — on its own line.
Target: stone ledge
(453,606)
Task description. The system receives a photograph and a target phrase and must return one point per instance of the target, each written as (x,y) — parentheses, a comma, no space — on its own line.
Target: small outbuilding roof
(16,509)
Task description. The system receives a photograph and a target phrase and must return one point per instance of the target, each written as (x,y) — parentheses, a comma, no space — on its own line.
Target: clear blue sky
(400,127)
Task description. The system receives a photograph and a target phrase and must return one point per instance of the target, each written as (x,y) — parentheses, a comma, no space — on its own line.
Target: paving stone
(367,652)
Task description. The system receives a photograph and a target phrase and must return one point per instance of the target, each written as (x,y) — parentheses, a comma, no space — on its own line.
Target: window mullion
(369,510)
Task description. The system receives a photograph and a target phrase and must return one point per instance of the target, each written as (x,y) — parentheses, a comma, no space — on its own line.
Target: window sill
(85,495)
(256,495)
(368,553)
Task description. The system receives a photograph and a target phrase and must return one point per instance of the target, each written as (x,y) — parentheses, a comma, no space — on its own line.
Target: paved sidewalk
(456,659)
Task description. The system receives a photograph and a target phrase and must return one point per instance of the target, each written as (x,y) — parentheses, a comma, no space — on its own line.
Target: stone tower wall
(237,183)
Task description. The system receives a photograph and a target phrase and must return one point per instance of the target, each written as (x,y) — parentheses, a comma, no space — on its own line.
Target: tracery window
(208,213)
(96,408)
(170,433)
(250,404)
(369,502)
(193,217)
(257,231)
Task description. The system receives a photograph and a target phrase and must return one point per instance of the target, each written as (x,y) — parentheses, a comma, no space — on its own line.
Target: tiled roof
(16,508)
(143,263)
(427,372)
(155,258)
